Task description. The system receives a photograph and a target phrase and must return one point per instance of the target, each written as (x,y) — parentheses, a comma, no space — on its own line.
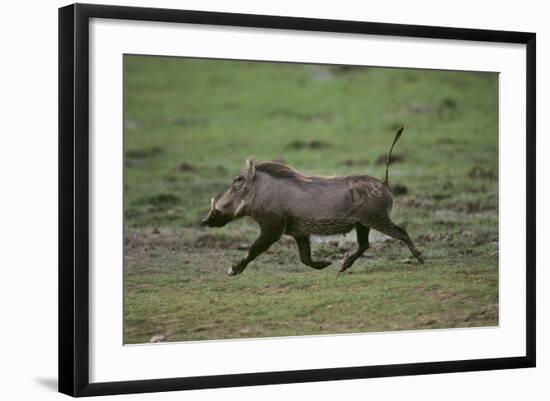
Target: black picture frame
(74,198)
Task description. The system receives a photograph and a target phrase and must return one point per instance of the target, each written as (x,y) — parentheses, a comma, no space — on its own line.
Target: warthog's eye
(237,182)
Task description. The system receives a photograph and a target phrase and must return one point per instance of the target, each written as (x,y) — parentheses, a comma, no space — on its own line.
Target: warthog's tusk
(239,209)
(211,203)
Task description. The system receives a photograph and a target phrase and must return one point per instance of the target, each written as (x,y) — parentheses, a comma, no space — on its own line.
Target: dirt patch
(427,321)
(312,145)
(322,117)
(166,241)
(399,189)
(417,202)
(445,237)
(483,315)
(395,158)
(470,207)
(139,246)
(485,238)
(133,155)
(475,206)
(447,104)
(450,210)
(185,167)
(441,196)
(219,242)
(448,141)
(351,162)
(134,242)
(381,245)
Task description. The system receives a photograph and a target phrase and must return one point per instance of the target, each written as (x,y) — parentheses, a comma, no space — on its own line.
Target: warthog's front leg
(268,235)
(304,249)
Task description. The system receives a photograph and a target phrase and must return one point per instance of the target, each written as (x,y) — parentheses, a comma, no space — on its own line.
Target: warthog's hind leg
(362,232)
(304,249)
(388,227)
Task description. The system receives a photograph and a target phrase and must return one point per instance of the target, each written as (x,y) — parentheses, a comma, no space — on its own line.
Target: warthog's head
(233,203)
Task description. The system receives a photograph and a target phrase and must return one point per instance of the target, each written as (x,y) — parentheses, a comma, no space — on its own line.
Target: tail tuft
(397,136)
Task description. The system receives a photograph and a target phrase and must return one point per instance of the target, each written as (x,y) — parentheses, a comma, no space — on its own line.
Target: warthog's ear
(250,167)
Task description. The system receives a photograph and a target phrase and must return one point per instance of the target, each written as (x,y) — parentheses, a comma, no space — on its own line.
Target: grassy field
(190,125)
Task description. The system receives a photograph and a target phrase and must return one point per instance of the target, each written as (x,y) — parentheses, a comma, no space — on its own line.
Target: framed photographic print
(251,199)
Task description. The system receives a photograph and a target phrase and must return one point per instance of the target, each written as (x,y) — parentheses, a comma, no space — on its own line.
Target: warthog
(284,201)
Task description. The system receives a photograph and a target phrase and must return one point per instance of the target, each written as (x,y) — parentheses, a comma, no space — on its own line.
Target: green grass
(190,125)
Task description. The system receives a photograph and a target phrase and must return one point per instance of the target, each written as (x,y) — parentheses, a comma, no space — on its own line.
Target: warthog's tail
(397,136)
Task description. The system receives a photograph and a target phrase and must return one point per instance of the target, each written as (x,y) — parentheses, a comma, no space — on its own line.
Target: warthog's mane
(281,170)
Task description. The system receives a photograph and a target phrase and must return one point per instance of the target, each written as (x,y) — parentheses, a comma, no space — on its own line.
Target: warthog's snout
(215,221)
(215,218)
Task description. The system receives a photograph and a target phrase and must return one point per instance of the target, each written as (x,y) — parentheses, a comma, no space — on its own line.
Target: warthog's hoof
(232,272)
(348,262)
(235,269)
(343,269)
